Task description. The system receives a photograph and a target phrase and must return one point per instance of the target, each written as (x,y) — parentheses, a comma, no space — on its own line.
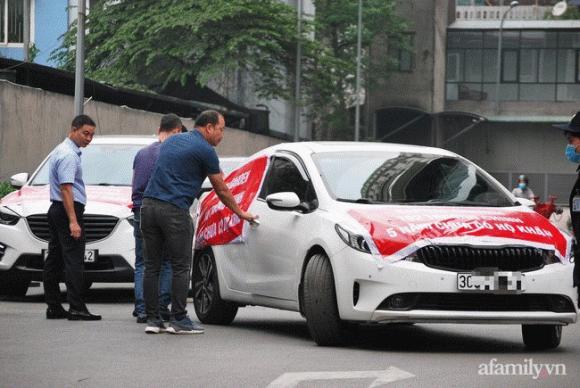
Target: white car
(110,250)
(381,233)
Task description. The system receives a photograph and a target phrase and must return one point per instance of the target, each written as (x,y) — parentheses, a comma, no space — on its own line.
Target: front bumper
(488,317)
(364,287)
(115,262)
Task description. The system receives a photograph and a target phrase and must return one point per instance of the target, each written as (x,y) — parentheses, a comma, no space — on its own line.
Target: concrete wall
(34,121)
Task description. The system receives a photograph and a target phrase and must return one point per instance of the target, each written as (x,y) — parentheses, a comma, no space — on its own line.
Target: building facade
(448,98)
(49,20)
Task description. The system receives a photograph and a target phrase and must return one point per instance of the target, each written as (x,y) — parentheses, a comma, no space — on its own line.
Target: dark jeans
(167,230)
(64,253)
(164,276)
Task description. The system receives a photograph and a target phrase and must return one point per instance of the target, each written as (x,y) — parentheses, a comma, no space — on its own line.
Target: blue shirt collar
(73,146)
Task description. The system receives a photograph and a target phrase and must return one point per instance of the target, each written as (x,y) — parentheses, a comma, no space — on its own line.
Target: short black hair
(81,120)
(207,117)
(169,122)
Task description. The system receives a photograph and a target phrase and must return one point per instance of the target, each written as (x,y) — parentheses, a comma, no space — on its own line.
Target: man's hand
(75,230)
(225,195)
(247,216)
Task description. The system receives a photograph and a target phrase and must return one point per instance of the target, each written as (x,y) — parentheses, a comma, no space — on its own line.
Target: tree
(331,66)
(148,44)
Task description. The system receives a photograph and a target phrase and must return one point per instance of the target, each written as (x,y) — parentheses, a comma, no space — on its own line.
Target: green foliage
(331,69)
(33,52)
(5,188)
(147,44)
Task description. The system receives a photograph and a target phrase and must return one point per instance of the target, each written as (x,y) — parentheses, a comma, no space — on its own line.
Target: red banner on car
(218,225)
(399,231)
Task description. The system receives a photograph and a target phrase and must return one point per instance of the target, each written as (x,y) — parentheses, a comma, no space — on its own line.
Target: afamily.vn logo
(527,368)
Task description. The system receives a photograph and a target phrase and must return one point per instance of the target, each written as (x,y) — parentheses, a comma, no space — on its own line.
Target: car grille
(478,302)
(463,258)
(97,227)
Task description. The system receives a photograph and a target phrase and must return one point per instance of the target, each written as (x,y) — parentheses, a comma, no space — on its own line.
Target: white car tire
(209,307)
(320,307)
(541,337)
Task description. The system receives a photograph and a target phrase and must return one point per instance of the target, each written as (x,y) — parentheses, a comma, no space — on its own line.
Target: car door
(275,247)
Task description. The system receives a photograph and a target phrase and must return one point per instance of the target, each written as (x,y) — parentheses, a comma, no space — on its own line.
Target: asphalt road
(263,347)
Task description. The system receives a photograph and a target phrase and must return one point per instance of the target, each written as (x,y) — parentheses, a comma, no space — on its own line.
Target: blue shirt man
(184,162)
(65,167)
(66,248)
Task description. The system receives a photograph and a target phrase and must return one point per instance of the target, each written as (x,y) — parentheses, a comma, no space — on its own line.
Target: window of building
(537,65)
(402,53)
(12,21)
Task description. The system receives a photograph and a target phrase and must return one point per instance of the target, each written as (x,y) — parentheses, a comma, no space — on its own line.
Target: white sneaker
(155,327)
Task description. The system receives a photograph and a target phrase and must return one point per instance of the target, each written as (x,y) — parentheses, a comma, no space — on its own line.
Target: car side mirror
(283,201)
(19,180)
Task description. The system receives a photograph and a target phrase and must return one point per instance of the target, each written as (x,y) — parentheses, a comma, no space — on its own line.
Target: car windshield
(103,164)
(410,178)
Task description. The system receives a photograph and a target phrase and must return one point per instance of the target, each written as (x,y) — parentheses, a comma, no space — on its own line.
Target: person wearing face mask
(522,190)
(572,152)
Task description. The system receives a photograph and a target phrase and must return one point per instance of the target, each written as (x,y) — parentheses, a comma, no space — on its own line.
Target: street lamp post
(358,65)
(80,60)
(513,4)
(297,91)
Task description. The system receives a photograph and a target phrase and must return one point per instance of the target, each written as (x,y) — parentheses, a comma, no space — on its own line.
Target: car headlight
(131,220)
(8,217)
(353,240)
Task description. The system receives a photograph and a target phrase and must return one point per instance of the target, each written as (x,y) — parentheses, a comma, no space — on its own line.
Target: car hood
(399,231)
(111,200)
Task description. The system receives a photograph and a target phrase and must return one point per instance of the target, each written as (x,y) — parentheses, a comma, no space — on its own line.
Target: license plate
(90,255)
(500,281)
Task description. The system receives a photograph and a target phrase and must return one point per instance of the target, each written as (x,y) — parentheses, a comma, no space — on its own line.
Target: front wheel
(209,306)
(542,336)
(320,307)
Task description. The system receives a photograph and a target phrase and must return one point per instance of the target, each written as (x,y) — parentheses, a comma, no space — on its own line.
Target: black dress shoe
(75,315)
(56,313)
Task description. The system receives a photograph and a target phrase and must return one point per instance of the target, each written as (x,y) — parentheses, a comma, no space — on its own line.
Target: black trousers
(167,231)
(64,253)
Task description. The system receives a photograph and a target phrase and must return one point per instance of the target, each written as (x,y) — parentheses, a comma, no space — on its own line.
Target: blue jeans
(164,276)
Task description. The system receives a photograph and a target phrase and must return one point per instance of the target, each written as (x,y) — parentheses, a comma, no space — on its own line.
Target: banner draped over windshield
(218,225)
(400,231)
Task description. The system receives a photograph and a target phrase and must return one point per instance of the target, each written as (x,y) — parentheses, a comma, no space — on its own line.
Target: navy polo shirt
(185,160)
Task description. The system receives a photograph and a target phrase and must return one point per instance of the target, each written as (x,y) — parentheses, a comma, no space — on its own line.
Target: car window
(102,164)
(399,177)
(284,176)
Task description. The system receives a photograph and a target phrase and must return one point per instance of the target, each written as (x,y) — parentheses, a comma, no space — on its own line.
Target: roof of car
(341,146)
(124,139)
